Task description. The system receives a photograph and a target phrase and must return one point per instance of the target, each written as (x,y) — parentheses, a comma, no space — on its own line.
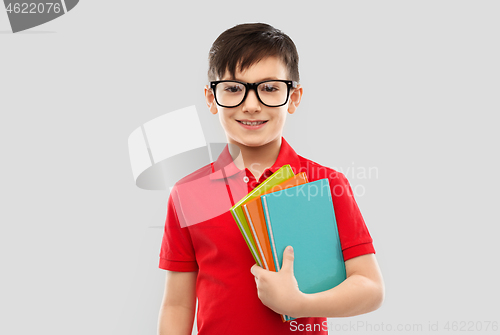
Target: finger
(256,270)
(288,258)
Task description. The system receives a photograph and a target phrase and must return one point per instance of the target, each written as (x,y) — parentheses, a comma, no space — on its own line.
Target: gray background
(409,88)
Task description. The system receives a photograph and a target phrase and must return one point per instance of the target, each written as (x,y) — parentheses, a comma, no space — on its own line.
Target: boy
(209,259)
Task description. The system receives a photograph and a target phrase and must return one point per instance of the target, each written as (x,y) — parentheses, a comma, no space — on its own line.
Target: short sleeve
(177,251)
(354,236)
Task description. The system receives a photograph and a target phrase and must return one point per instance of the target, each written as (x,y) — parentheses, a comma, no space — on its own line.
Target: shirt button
(246,179)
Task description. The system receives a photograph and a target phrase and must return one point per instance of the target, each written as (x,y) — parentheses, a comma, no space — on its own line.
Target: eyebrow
(263,79)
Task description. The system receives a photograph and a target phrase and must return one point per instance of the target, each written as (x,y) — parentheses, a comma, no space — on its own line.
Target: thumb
(288,259)
(256,270)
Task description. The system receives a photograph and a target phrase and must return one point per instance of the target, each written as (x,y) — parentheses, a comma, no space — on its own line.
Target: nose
(251,103)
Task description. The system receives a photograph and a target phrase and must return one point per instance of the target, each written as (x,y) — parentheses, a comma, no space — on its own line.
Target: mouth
(252,123)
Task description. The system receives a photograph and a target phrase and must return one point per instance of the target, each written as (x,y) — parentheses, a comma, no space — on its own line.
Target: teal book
(303,217)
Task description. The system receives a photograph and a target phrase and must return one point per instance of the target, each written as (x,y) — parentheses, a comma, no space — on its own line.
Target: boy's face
(252,109)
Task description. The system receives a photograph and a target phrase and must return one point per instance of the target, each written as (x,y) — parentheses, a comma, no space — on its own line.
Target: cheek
(226,120)
(281,117)
(222,116)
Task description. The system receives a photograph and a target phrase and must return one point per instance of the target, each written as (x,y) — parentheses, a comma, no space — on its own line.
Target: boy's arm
(361,292)
(179,302)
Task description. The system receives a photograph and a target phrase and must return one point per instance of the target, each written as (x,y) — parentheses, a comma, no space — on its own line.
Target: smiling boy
(253,73)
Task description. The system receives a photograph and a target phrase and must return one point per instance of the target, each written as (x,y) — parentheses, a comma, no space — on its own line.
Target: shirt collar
(225,167)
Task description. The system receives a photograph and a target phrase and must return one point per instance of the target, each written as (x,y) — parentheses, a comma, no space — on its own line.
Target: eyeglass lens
(231,93)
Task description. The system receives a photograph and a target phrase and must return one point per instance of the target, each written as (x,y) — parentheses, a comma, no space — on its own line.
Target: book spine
(270,232)
(284,317)
(247,239)
(255,237)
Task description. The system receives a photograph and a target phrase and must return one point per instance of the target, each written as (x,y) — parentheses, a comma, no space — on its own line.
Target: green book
(284,173)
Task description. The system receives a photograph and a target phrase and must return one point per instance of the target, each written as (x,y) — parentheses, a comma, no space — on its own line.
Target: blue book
(303,217)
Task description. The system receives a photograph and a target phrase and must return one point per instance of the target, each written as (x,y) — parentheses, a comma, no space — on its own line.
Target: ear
(295,97)
(210,99)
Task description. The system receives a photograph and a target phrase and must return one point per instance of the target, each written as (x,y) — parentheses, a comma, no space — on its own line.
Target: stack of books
(287,209)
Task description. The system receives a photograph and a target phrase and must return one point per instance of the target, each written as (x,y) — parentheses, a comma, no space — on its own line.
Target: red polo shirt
(201,235)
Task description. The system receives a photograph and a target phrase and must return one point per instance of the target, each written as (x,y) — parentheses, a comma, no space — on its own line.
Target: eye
(269,87)
(233,88)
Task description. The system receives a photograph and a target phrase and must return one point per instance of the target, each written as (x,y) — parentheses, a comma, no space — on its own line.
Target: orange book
(257,222)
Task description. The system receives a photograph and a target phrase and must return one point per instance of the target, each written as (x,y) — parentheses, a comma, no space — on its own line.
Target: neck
(256,159)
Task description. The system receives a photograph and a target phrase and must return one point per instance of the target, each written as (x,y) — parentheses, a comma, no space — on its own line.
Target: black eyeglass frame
(253,86)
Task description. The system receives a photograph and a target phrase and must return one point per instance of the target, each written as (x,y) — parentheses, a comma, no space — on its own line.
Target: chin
(252,143)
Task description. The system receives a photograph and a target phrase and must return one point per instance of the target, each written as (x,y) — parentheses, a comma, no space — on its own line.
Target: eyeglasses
(271,93)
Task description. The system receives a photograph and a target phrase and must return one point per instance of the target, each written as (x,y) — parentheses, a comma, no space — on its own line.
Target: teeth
(252,123)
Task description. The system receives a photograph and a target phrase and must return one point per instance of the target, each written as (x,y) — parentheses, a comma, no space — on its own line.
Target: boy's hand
(279,290)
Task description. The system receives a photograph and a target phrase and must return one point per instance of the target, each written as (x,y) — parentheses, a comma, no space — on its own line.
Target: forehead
(265,68)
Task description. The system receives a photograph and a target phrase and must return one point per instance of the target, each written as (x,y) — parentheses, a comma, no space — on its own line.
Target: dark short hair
(245,44)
